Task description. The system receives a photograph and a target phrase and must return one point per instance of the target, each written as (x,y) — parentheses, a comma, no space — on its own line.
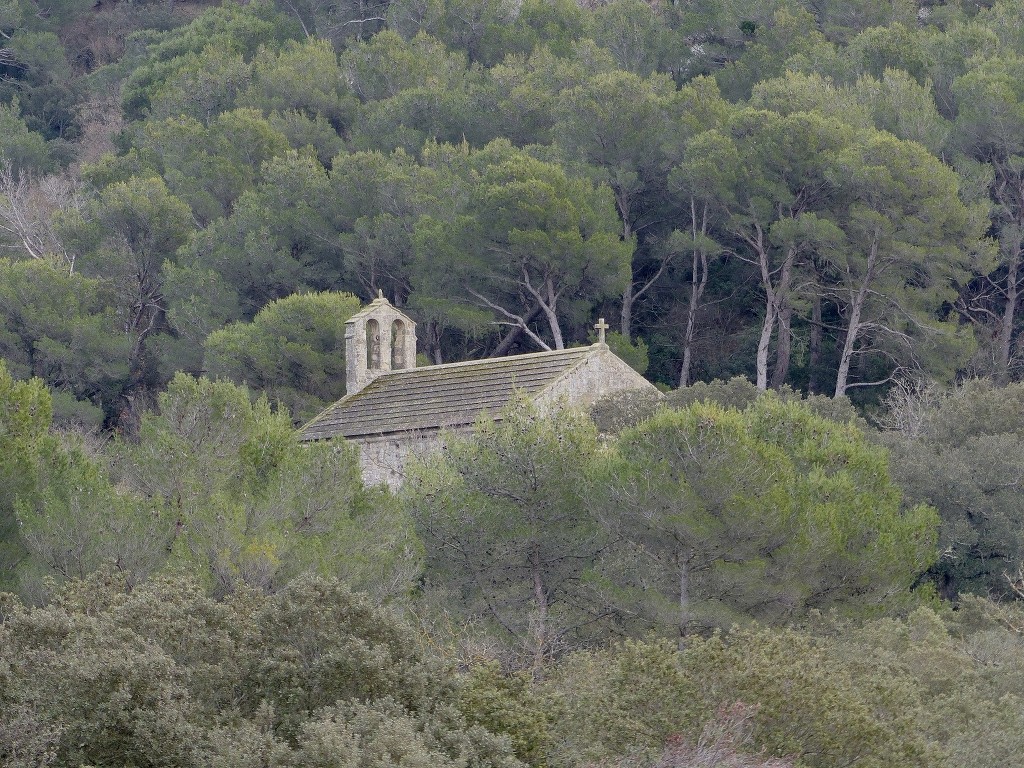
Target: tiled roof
(439,396)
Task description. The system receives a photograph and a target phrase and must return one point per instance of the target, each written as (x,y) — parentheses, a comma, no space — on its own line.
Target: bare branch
(516,319)
(362,21)
(27,208)
(877,383)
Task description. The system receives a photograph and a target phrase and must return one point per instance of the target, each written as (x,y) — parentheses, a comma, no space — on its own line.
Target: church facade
(393,410)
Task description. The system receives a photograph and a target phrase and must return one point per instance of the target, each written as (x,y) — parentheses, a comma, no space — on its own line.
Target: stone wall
(599,375)
(384,458)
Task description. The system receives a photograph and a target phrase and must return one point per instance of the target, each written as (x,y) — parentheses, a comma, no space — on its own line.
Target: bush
(167,676)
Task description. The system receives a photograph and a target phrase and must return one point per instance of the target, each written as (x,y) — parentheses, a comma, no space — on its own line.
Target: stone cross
(601,326)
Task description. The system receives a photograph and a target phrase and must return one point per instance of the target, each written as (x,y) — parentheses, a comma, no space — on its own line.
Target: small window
(398,360)
(372,345)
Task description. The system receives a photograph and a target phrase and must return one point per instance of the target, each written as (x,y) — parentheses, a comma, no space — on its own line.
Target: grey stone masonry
(378,340)
(395,411)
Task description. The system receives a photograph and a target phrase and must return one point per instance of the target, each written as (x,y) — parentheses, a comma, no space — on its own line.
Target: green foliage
(617,121)
(22,148)
(694,519)
(621,410)
(507,704)
(476,27)
(958,451)
(293,351)
(415,91)
(990,128)
(315,675)
(632,352)
(213,99)
(303,77)
(277,241)
(25,414)
(841,20)
(164,675)
(216,484)
(59,327)
(41,84)
(896,46)
(903,107)
(209,167)
(528,234)
(767,513)
(895,103)
(377,203)
(904,209)
(251,506)
(856,209)
(139,220)
(529,88)
(386,65)
(627,409)
(202,66)
(505,172)
(633,33)
(124,237)
(790,34)
(808,702)
(75,521)
(738,392)
(949,660)
(508,526)
(59,513)
(556,25)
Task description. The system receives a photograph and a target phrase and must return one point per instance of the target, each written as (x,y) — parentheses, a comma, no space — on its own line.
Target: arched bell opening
(372,345)
(398,344)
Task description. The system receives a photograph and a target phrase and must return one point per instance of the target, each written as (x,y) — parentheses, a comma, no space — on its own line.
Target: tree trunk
(626,318)
(540,629)
(853,328)
(769,312)
(783,351)
(697,286)
(684,600)
(762,346)
(775,299)
(549,309)
(814,359)
(547,300)
(783,316)
(684,372)
(1009,316)
(434,343)
(514,333)
(847,354)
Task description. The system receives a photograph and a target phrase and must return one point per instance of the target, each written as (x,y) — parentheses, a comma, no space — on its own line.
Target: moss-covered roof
(440,396)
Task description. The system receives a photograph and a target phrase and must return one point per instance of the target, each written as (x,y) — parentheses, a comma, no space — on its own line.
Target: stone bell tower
(378,339)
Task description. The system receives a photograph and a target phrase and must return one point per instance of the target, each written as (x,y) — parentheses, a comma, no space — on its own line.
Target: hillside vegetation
(805,220)
(823,195)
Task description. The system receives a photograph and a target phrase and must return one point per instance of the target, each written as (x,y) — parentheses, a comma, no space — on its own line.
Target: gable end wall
(599,375)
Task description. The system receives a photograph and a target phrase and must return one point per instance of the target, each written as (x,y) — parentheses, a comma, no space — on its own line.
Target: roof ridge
(483,360)
(370,388)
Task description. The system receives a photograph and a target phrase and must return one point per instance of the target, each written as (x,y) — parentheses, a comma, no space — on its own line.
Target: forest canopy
(810,195)
(805,220)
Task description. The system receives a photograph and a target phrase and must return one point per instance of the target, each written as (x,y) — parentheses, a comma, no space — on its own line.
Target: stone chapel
(393,410)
